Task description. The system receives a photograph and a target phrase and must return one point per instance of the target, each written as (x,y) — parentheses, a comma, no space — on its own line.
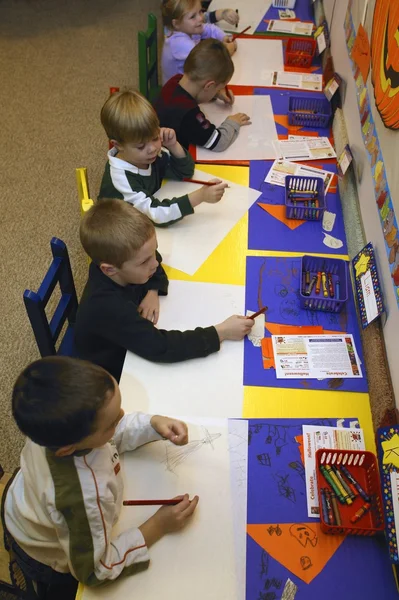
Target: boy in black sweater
(120,304)
(207,71)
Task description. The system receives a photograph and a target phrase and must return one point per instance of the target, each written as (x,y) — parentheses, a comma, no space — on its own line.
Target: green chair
(148,60)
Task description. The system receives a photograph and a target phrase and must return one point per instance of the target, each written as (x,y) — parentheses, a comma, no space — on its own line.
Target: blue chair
(47,332)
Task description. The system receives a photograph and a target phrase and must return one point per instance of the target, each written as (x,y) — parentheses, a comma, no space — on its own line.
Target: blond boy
(120,304)
(142,155)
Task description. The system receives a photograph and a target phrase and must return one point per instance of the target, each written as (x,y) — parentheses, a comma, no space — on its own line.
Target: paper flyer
(299,81)
(290,27)
(281,168)
(306,149)
(316,437)
(316,356)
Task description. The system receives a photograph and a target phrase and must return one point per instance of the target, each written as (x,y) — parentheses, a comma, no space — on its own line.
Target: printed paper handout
(305,149)
(281,168)
(316,437)
(290,27)
(315,356)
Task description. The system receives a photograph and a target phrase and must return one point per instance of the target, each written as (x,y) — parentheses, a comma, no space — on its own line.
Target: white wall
(389,141)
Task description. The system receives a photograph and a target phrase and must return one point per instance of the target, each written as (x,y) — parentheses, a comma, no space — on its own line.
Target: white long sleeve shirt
(61,511)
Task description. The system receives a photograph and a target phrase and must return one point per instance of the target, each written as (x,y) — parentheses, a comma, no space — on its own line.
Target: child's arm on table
(204,133)
(127,329)
(223,14)
(157,286)
(137,429)
(168,519)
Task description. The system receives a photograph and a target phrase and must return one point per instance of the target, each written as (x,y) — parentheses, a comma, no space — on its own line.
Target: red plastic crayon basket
(299,53)
(363,467)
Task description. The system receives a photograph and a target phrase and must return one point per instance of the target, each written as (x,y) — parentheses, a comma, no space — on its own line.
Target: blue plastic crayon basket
(299,204)
(336,272)
(307,111)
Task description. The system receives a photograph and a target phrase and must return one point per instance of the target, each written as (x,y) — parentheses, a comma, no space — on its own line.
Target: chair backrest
(148,60)
(83,190)
(47,332)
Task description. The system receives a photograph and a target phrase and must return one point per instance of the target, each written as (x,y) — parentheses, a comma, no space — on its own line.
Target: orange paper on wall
(361,54)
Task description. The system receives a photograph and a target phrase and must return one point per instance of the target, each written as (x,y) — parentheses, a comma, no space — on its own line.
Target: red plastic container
(363,467)
(299,53)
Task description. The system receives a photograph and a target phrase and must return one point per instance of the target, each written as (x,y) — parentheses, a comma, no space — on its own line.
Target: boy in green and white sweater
(63,503)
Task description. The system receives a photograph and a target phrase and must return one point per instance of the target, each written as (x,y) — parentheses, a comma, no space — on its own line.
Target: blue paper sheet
(274,282)
(359,568)
(266,232)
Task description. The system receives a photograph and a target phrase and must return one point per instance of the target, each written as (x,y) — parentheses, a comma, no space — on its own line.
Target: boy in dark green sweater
(120,304)
(143,154)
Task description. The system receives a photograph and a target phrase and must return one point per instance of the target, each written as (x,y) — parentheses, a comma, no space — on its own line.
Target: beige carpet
(57,62)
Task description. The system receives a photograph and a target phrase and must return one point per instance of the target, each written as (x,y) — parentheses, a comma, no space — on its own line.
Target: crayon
(324,505)
(171,502)
(330,512)
(330,285)
(307,277)
(260,311)
(311,285)
(360,513)
(318,284)
(337,290)
(335,508)
(344,494)
(331,483)
(346,486)
(357,485)
(324,282)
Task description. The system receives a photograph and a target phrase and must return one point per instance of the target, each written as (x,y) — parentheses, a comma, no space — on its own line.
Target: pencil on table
(199,181)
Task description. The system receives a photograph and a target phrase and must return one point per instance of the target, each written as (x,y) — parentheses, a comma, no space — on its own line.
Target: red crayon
(171,502)
(262,310)
(241,32)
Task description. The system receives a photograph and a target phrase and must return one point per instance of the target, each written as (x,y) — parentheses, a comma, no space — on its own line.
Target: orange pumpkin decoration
(385,61)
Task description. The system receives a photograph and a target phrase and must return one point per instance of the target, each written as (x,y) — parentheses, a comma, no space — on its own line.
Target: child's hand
(234,328)
(241,119)
(171,429)
(173,518)
(168,137)
(230,16)
(149,306)
(230,44)
(211,194)
(226,96)
(168,519)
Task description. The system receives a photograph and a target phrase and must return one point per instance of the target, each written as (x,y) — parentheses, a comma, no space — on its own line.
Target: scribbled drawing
(304,534)
(253,429)
(313,317)
(260,285)
(283,487)
(289,591)
(295,267)
(267,596)
(277,435)
(289,308)
(273,582)
(281,290)
(274,530)
(306,563)
(175,455)
(264,459)
(297,466)
(238,457)
(335,384)
(264,563)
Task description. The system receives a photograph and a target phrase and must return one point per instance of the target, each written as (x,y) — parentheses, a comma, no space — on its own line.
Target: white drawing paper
(206,387)
(328,220)
(250,15)
(331,241)
(255,141)
(182,563)
(187,244)
(254,59)
(257,332)
(316,437)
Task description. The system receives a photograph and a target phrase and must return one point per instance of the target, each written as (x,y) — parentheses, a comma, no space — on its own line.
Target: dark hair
(56,399)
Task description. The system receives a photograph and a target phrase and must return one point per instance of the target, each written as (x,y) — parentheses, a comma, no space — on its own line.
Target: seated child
(185,29)
(62,505)
(137,163)
(207,70)
(120,303)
